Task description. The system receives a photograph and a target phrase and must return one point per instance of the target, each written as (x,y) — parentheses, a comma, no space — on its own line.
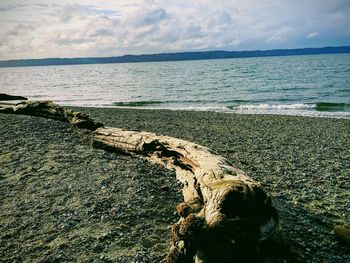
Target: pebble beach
(64,200)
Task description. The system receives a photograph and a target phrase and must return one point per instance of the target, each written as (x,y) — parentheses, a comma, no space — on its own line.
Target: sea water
(314,85)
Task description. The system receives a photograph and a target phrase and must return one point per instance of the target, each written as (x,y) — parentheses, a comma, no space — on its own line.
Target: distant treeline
(174,56)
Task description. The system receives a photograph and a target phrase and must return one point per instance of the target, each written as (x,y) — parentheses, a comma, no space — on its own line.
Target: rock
(147,242)
(164,188)
(4,96)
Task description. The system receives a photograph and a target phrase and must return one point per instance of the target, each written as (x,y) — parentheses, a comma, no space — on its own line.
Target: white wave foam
(179,107)
(298,106)
(283,109)
(306,110)
(200,108)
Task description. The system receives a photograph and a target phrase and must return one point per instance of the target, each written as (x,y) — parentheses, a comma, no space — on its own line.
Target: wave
(145,103)
(318,106)
(138,103)
(238,101)
(315,109)
(320,109)
(240,105)
(297,106)
(330,106)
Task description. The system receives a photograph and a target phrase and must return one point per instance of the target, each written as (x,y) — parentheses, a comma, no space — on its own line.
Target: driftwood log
(225,216)
(49,109)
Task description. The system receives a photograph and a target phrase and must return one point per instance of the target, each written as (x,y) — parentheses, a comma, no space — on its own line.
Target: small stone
(147,243)
(164,188)
(181,244)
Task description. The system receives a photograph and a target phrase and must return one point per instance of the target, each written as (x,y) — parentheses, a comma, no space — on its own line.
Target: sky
(72,28)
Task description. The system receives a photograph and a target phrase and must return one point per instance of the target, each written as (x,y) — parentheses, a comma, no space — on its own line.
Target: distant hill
(174,56)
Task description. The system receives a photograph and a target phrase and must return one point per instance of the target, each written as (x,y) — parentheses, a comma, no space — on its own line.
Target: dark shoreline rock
(4,96)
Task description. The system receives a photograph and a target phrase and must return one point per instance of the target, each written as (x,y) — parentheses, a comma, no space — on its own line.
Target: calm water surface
(317,85)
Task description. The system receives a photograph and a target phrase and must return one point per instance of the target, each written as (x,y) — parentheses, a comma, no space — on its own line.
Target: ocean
(312,85)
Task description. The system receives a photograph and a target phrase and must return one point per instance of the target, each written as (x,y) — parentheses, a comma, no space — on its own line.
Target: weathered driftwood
(225,215)
(49,109)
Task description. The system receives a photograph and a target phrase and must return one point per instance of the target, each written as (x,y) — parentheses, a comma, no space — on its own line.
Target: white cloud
(280,34)
(62,28)
(312,35)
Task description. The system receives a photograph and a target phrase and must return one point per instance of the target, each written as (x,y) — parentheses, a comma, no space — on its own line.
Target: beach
(64,200)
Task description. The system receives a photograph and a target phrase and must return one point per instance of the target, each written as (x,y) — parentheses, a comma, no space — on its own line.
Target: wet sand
(62,199)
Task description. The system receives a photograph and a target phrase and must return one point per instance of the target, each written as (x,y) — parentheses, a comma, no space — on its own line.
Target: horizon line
(178,52)
(157,57)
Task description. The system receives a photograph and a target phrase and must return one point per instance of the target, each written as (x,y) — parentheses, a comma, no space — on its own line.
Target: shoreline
(227,110)
(217,109)
(314,110)
(302,162)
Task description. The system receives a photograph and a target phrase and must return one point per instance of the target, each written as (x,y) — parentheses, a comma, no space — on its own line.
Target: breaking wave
(297,106)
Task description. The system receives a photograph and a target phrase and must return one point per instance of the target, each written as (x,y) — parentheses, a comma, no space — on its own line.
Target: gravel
(62,199)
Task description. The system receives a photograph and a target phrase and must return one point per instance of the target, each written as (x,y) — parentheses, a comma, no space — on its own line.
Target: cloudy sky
(72,28)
